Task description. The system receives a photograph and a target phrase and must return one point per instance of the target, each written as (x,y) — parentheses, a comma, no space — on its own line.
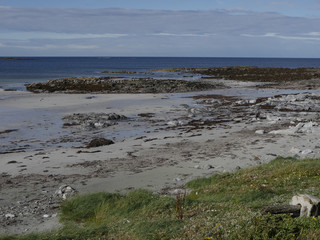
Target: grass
(224,206)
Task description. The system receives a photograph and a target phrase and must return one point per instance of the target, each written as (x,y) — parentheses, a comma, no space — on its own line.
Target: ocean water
(15,73)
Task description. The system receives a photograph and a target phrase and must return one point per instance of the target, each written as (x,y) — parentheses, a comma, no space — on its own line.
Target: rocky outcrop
(246,73)
(111,85)
(98,142)
(91,121)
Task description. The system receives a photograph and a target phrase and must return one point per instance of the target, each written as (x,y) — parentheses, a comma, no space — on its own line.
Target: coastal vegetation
(223,206)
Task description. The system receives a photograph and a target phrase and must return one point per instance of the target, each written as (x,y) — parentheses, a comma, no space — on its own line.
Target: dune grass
(224,206)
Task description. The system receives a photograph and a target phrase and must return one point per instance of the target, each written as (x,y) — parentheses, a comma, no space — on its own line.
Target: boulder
(65,191)
(98,142)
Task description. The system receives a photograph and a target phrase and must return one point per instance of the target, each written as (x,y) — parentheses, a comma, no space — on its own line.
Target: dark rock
(111,85)
(97,142)
(256,74)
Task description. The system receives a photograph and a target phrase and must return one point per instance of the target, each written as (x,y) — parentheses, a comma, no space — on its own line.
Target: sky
(177,28)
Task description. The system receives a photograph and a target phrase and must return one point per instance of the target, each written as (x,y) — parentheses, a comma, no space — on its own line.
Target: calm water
(14,74)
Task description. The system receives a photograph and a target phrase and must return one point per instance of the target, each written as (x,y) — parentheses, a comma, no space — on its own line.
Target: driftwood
(300,206)
(282,209)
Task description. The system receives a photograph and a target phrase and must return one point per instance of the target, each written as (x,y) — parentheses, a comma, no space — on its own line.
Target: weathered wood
(281,209)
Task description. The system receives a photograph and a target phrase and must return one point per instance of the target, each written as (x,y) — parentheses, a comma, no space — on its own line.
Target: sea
(14,74)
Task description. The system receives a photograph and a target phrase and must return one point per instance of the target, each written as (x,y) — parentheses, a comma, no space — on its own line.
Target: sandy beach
(164,141)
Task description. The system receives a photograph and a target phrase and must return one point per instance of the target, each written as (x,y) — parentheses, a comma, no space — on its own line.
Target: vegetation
(224,206)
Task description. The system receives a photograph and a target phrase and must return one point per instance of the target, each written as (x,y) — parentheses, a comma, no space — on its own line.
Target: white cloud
(52,46)
(275,35)
(52,35)
(130,32)
(183,34)
(313,34)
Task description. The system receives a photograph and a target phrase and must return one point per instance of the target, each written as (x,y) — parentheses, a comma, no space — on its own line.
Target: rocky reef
(112,85)
(245,73)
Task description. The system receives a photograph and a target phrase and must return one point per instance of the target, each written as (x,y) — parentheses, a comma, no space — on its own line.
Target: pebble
(306,152)
(209,166)
(10,215)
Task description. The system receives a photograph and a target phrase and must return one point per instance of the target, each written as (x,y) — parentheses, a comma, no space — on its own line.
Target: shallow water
(43,129)
(14,74)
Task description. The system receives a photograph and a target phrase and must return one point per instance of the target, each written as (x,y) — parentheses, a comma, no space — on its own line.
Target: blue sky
(208,28)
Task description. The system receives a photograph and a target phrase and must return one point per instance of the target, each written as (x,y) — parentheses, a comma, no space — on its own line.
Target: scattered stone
(237,168)
(10,216)
(175,123)
(256,158)
(306,151)
(209,166)
(197,167)
(90,97)
(299,128)
(92,121)
(98,142)
(295,150)
(65,191)
(260,132)
(177,179)
(11,162)
(46,216)
(8,131)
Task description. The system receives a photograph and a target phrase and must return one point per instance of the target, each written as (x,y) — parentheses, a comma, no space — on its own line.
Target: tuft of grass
(223,206)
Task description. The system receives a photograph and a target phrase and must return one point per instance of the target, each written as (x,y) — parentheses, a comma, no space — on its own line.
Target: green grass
(224,206)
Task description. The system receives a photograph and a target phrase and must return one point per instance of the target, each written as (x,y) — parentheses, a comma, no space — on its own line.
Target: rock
(177,179)
(10,216)
(294,150)
(178,191)
(256,158)
(175,123)
(46,216)
(209,166)
(306,151)
(98,142)
(260,132)
(197,167)
(310,205)
(299,128)
(65,191)
(237,168)
(112,85)
(91,121)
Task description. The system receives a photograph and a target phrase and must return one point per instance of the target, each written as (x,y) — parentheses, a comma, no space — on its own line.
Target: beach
(161,141)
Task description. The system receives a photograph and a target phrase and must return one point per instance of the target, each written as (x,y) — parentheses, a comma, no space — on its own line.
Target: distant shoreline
(15,59)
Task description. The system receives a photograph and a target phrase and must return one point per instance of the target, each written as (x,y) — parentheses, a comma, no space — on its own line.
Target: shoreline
(175,138)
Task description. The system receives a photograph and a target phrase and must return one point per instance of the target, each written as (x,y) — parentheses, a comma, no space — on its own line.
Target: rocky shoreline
(112,85)
(175,138)
(210,78)
(256,74)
